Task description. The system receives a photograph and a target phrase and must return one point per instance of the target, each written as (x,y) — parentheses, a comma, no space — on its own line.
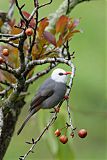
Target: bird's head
(59,75)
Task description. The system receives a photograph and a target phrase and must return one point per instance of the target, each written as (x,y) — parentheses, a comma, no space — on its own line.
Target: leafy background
(88,98)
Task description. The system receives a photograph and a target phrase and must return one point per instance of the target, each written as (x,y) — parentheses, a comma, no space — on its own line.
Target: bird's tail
(26,120)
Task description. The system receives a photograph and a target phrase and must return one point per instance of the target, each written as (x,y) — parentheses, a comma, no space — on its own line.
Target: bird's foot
(56,110)
(66,97)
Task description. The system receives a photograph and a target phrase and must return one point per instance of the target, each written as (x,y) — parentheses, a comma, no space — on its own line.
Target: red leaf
(49,37)
(61,24)
(27,15)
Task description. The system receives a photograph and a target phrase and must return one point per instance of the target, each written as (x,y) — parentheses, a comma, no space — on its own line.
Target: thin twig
(69,115)
(20,11)
(35,30)
(43,5)
(52,120)
(7,41)
(39,74)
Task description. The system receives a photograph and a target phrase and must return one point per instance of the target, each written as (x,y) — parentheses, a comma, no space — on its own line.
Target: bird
(49,95)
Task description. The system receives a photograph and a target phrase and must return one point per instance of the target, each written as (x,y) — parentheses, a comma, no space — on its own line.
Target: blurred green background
(88,97)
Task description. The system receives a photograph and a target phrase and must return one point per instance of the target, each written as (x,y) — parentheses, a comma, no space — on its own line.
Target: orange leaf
(60,41)
(61,24)
(42,25)
(70,34)
(27,15)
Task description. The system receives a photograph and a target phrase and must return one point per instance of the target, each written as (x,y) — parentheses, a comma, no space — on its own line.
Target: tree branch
(39,74)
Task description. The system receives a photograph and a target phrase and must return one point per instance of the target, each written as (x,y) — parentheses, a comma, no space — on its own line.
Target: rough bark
(8,126)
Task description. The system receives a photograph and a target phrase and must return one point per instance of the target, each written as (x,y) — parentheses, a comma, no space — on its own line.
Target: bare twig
(35,29)
(20,11)
(69,115)
(39,74)
(43,5)
(12,37)
(36,3)
(52,120)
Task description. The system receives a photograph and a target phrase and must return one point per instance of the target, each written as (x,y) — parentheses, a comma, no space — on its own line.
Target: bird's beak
(68,73)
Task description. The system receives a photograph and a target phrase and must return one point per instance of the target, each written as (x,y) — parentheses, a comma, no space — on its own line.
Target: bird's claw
(66,97)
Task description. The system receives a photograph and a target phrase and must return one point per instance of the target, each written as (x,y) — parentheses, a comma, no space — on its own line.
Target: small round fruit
(5,52)
(29,31)
(57,133)
(82,133)
(63,139)
(1,60)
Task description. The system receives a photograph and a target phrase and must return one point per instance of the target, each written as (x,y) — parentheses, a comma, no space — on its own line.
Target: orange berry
(82,133)
(63,139)
(29,31)
(5,52)
(1,60)
(57,133)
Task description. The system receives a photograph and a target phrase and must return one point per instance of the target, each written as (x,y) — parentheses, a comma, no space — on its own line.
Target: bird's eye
(61,74)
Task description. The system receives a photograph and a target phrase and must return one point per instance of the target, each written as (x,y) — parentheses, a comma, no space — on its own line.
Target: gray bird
(50,93)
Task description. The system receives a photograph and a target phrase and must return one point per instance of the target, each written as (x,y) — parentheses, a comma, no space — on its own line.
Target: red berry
(57,133)
(29,31)
(82,133)
(63,139)
(1,60)
(5,52)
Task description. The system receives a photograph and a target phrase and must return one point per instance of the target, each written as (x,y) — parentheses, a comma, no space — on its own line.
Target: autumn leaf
(73,24)
(70,34)
(61,24)
(42,25)
(49,37)
(27,15)
(60,41)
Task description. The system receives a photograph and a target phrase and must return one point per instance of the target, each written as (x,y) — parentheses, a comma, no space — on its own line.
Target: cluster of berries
(82,133)
(5,51)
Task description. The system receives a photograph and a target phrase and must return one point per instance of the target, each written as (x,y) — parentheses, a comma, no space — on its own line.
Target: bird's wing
(40,97)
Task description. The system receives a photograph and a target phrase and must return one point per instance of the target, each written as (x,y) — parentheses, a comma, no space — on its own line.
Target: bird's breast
(58,95)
